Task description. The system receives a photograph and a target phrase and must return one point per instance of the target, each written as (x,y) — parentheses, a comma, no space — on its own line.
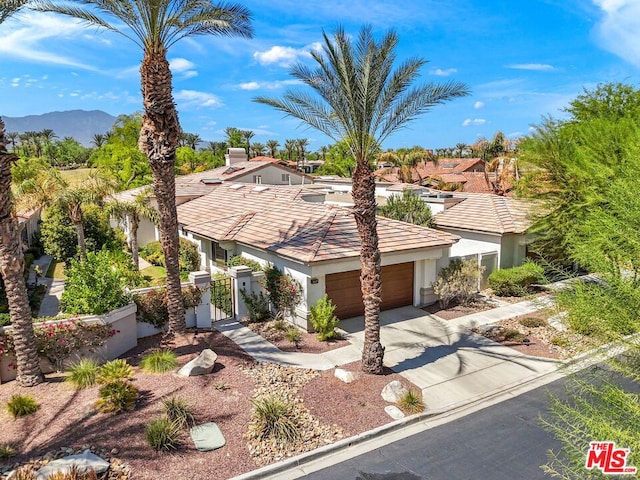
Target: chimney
(235,155)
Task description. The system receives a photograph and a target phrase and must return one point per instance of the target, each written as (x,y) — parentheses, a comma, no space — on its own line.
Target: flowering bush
(152,305)
(285,292)
(6,344)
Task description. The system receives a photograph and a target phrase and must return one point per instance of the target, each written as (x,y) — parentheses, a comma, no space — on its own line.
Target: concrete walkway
(50,306)
(450,364)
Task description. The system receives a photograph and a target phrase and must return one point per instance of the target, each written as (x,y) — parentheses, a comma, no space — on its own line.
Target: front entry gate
(221,299)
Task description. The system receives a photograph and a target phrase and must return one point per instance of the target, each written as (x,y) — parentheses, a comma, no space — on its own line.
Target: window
(218,254)
(286,177)
(257,179)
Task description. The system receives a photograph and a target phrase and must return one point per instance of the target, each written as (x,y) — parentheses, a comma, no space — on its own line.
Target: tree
(257,149)
(98,140)
(191,140)
(338,161)
(301,149)
(234,138)
(608,100)
(247,135)
(132,212)
(273,145)
(12,258)
(407,208)
(290,148)
(461,147)
(155,26)
(362,100)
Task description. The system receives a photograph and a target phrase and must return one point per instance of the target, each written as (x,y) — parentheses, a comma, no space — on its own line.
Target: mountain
(79,124)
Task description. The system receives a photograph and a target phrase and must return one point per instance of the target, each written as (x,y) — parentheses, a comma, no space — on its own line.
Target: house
(491,228)
(317,244)
(29,224)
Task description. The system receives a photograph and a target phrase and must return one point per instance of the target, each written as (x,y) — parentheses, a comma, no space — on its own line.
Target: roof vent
(237,186)
(211,181)
(261,188)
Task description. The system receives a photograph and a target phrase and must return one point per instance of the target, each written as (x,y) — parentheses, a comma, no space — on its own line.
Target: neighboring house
(29,224)
(491,228)
(317,244)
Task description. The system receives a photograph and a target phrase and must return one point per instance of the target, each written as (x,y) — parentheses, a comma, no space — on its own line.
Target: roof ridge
(333,213)
(244,218)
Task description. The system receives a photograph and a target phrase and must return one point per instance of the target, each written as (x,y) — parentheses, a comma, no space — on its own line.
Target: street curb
(563,368)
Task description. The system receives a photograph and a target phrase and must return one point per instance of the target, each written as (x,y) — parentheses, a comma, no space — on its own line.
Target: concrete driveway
(449,363)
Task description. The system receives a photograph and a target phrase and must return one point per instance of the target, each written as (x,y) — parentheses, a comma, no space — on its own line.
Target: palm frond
(9,7)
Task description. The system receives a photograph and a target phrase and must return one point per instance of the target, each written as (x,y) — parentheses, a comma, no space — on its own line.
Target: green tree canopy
(407,208)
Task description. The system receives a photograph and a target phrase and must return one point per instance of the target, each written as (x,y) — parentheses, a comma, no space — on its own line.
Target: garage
(344,289)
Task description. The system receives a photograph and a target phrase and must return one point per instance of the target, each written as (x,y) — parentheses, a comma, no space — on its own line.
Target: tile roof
(277,219)
(486,213)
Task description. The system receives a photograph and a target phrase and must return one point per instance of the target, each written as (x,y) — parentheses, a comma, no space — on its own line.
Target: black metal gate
(221,299)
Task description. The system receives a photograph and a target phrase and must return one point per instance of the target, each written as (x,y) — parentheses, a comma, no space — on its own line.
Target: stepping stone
(394,412)
(84,462)
(207,437)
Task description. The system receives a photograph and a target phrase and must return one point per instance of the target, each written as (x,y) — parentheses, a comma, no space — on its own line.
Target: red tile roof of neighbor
(487,213)
(277,219)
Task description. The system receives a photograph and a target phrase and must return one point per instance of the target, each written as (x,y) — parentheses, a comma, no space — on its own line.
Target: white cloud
(30,38)
(538,67)
(284,56)
(443,73)
(193,98)
(267,85)
(249,86)
(617,30)
(183,67)
(15,82)
(478,105)
(475,121)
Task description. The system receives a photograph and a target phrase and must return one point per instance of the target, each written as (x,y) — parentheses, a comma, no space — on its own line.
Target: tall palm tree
(247,135)
(323,152)
(362,100)
(461,147)
(301,149)
(290,148)
(190,140)
(12,257)
(273,145)
(133,212)
(13,138)
(258,149)
(98,140)
(155,26)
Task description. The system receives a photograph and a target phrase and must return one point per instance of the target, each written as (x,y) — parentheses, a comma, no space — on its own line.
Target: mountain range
(79,124)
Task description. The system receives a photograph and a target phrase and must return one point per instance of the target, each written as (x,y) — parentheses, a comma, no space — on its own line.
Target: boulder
(393,392)
(394,412)
(344,375)
(84,462)
(201,365)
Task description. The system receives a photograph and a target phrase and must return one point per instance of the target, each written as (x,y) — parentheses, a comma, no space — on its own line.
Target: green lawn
(56,270)
(158,275)
(76,176)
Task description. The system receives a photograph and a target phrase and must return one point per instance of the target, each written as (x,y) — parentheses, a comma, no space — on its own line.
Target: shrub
(411,402)
(152,253)
(407,208)
(323,320)
(294,336)
(273,417)
(178,411)
(117,369)
(188,255)
(532,322)
(285,292)
(152,305)
(5,319)
(280,325)
(257,305)
(28,472)
(22,405)
(239,260)
(117,396)
(6,451)
(83,374)
(560,341)
(93,285)
(163,434)
(458,281)
(6,344)
(159,361)
(516,281)
(513,335)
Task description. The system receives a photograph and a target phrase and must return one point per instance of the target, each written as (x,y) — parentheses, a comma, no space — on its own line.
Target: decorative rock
(558,321)
(201,365)
(394,412)
(393,392)
(115,451)
(83,462)
(344,375)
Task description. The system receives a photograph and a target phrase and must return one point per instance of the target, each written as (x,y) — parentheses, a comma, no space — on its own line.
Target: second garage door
(344,289)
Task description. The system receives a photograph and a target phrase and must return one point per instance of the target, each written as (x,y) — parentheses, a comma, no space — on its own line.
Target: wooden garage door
(344,289)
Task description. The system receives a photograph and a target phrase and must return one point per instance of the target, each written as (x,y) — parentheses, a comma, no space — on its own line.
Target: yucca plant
(160,361)
(117,396)
(6,451)
(411,402)
(117,369)
(22,405)
(83,374)
(178,411)
(163,434)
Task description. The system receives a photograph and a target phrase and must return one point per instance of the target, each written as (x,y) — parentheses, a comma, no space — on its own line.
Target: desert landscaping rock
(393,392)
(201,365)
(344,375)
(84,462)
(394,412)
(558,321)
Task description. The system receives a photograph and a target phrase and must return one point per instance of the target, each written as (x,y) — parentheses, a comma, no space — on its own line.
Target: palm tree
(156,25)
(98,140)
(258,149)
(12,257)
(190,140)
(132,212)
(461,147)
(247,135)
(323,152)
(362,100)
(13,138)
(289,148)
(301,149)
(273,145)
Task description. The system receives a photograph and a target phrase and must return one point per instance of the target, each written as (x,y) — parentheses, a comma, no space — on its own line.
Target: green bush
(258,306)
(239,260)
(458,282)
(411,402)
(323,320)
(117,369)
(117,396)
(274,418)
(6,451)
(93,286)
(160,361)
(163,434)
(84,373)
(152,305)
(516,281)
(188,255)
(513,335)
(5,319)
(178,411)
(22,405)
(152,253)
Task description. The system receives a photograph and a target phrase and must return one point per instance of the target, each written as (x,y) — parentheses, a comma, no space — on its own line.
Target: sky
(522,60)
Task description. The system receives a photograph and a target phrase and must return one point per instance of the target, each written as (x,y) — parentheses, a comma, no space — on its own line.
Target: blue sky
(522,60)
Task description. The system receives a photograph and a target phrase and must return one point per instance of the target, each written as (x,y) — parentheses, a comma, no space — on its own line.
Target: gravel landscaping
(308,344)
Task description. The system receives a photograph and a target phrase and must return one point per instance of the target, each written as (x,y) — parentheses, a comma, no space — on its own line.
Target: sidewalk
(50,306)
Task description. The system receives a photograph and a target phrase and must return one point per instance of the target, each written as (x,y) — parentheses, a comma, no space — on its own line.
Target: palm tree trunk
(159,138)
(134,240)
(12,268)
(82,244)
(365,214)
